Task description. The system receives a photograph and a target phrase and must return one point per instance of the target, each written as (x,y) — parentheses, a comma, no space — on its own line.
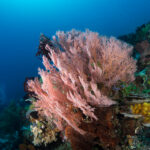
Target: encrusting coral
(142,109)
(84,65)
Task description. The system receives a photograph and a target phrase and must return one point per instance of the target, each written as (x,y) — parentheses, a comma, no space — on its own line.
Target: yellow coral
(142,109)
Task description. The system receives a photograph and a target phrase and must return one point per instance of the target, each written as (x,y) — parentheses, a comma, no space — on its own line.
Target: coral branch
(85,60)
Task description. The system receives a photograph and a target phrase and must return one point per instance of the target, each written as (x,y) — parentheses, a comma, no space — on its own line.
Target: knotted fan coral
(83,63)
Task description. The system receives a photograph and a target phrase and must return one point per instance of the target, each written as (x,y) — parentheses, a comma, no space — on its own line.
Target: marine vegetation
(75,89)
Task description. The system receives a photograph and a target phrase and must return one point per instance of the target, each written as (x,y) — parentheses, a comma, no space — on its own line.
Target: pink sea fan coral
(84,59)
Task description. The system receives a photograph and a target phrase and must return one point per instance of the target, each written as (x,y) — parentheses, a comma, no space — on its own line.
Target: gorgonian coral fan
(84,61)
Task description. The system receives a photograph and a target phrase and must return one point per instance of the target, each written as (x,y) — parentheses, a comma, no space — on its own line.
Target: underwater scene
(75,75)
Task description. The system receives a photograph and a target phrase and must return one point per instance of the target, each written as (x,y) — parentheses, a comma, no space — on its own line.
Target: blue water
(22,21)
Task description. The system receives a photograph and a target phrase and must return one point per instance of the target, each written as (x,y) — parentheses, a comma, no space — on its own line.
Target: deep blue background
(22,21)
